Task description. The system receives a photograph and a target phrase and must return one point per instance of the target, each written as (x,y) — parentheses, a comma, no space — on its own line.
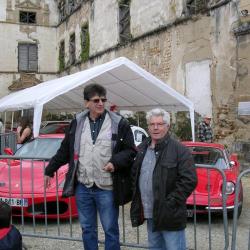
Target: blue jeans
(165,240)
(90,201)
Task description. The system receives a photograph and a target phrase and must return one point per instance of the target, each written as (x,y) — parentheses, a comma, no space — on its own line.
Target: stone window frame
(72,48)
(28,17)
(27,57)
(124,21)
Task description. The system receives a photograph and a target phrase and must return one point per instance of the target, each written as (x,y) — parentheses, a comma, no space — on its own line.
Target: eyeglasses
(97,100)
(153,125)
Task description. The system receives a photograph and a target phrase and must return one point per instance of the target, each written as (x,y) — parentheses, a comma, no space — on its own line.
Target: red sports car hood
(26,178)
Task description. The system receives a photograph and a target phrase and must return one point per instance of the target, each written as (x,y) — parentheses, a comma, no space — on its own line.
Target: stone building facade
(201,48)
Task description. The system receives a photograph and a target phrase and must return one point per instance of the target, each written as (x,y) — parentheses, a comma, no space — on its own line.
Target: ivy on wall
(85,43)
(61,63)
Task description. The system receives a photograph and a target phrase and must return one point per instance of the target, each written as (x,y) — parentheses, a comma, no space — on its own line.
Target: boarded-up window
(72,49)
(27,57)
(27,17)
(62,56)
(124,21)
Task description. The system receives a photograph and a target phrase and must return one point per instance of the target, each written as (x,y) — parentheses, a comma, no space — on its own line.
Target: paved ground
(217,233)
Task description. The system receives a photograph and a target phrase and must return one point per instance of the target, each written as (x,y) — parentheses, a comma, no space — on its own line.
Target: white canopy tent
(128,86)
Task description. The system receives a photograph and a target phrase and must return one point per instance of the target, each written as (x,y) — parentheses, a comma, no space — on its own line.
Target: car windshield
(209,156)
(58,128)
(39,148)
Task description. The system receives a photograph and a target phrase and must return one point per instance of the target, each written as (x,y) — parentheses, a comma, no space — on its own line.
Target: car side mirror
(8,151)
(232,163)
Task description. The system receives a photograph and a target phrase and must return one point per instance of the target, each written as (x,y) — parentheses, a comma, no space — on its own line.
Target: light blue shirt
(145,182)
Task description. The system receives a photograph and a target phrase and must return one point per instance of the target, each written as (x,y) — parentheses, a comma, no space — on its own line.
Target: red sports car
(210,181)
(27,194)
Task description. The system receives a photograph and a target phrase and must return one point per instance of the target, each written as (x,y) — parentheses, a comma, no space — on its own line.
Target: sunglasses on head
(97,100)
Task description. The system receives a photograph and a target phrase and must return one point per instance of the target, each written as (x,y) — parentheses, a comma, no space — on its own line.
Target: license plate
(15,202)
(190,213)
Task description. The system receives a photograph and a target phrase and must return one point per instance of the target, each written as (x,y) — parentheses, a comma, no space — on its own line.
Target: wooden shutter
(22,57)
(27,57)
(32,57)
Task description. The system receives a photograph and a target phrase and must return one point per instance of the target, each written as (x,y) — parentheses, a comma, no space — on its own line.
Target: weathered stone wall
(103,25)
(159,13)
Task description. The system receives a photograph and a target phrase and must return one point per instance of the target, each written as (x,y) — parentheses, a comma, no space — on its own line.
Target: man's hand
(109,167)
(18,129)
(47,181)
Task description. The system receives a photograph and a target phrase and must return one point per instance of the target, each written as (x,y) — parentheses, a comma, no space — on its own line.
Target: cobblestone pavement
(217,233)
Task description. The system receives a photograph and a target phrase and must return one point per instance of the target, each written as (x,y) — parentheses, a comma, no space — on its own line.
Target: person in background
(10,237)
(1,126)
(113,108)
(24,132)
(1,132)
(99,148)
(164,176)
(205,133)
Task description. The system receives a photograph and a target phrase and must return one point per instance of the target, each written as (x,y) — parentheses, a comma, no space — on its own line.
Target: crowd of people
(106,170)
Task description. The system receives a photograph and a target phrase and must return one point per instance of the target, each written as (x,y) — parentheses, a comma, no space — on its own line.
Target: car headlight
(230,187)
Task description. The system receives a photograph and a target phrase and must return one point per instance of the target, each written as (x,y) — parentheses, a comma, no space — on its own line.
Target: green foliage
(58,117)
(85,45)
(61,63)
(138,117)
(182,128)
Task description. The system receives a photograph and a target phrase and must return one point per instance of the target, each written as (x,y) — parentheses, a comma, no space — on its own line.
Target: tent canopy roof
(128,86)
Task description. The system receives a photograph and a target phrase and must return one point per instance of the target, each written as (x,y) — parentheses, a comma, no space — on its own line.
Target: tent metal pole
(12,120)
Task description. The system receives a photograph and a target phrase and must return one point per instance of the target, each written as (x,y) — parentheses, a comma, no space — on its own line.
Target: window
(72,49)
(62,56)
(27,17)
(71,5)
(27,57)
(124,21)
(196,6)
(85,43)
(62,10)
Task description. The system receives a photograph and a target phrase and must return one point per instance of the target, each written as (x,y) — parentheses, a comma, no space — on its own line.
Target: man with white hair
(164,176)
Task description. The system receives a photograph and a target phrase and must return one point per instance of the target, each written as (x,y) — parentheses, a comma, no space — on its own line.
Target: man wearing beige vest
(99,149)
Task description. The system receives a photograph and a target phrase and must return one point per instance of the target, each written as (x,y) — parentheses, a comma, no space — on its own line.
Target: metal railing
(65,229)
(236,211)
